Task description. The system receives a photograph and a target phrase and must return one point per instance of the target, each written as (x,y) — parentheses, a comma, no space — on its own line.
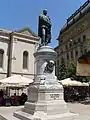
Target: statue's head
(45,11)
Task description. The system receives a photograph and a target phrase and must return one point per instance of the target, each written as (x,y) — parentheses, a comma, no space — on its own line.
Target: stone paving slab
(81,109)
(7,112)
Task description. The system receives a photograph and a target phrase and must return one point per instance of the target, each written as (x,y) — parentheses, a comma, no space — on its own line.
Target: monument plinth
(45,96)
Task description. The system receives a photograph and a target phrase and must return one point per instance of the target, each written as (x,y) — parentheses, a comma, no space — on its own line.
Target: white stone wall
(19,47)
(21,42)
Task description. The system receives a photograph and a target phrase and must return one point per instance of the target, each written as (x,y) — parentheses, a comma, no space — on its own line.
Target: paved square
(81,109)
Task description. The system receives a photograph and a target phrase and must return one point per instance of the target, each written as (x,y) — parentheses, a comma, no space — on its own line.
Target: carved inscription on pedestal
(55,96)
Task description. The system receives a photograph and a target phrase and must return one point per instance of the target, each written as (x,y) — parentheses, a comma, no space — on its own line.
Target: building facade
(74,36)
(16,52)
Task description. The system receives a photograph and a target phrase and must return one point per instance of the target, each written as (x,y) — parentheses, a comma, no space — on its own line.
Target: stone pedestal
(45,96)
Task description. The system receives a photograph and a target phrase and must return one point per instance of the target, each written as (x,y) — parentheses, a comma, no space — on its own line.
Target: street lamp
(10,45)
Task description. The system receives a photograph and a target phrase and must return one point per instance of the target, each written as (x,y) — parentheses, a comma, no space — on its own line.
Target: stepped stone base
(46,103)
(42,116)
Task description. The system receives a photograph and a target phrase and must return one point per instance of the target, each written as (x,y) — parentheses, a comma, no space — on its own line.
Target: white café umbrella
(65,81)
(69,82)
(16,81)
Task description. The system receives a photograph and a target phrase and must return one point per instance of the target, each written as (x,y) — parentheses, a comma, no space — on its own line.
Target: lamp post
(10,46)
(9,63)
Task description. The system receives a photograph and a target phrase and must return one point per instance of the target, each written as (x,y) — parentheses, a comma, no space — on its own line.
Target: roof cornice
(25,36)
(82,11)
(6,35)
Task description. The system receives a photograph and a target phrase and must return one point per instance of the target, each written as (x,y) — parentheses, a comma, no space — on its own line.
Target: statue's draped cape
(44,22)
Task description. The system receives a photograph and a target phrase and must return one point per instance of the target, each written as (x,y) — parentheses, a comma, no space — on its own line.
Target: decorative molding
(24,40)
(76,28)
(4,37)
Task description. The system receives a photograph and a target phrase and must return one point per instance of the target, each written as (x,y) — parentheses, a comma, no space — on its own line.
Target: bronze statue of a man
(44,28)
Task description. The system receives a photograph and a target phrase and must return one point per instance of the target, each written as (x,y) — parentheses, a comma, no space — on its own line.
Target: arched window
(25,60)
(1,57)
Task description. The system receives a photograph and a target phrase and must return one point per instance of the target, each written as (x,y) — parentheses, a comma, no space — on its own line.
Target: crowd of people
(6,100)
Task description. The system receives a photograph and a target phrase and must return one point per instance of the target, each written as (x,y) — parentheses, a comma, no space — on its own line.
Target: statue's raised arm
(44,28)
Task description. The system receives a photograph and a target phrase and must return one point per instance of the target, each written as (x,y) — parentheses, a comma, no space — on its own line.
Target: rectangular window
(57,63)
(57,53)
(70,45)
(85,50)
(1,58)
(71,54)
(79,40)
(74,42)
(61,50)
(66,47)
(76,52)
(84,38)
(67,56)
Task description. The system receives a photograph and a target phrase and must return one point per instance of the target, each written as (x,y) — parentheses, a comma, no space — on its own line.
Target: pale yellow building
(74,36)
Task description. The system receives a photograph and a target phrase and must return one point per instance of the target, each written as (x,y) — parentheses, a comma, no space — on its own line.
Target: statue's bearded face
(45,12)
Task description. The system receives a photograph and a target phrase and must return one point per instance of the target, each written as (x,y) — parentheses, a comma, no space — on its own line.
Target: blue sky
(16,14)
